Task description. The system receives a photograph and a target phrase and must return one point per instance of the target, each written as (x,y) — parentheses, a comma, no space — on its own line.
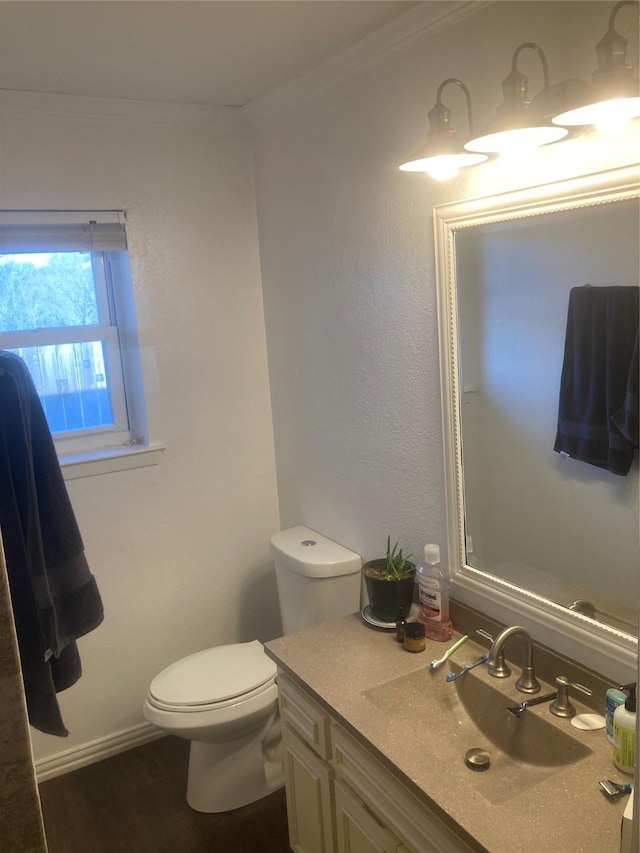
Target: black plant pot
(388,598)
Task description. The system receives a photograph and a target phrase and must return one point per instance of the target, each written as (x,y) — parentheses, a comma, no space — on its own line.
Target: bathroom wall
(346,249)
(180,550)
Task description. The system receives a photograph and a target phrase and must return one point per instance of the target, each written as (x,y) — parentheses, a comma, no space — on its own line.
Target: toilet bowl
(224,700)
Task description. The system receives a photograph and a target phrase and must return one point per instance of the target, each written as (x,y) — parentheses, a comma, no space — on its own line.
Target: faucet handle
(528,683)
(562,706)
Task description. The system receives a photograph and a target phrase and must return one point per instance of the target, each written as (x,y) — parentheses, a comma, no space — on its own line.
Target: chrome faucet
(527,683)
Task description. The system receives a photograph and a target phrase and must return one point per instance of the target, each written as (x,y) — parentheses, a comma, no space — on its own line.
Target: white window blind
(62,231)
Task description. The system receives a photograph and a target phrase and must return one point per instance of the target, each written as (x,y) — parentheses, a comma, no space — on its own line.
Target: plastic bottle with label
(624,734)
(615,697)
(433,591)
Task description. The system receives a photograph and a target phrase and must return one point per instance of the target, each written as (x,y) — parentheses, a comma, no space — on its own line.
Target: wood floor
(135,803)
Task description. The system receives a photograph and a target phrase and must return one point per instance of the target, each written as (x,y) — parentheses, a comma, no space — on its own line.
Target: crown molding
(118,109)
(423,21)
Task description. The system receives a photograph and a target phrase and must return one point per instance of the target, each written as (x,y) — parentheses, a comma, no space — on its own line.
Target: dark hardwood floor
(135,803)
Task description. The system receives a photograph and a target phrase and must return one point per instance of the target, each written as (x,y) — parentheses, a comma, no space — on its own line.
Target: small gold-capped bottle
(414,639)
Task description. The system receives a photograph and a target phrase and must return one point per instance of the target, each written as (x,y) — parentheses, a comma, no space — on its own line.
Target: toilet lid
(214,675)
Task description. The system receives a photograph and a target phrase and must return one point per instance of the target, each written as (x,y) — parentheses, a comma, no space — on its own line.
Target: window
(66,309)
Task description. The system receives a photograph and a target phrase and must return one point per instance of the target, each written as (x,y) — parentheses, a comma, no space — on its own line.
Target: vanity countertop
(341,661)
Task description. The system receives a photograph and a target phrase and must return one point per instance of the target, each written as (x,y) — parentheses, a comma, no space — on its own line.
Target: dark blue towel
(54,596)
(597,423)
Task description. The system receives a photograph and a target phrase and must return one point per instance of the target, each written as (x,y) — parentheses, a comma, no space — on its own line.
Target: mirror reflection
(560,527)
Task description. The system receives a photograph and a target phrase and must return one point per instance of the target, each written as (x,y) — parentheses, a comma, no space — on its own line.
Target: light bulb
(442,168)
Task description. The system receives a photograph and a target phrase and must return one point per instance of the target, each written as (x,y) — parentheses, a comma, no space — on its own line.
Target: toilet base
(226,776)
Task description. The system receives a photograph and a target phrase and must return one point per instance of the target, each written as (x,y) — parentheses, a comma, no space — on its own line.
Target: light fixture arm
(514,87)
(540,52)
(616,9)
(445,112)
(612,47)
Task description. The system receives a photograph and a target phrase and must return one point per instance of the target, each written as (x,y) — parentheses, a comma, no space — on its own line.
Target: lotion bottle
(624,733)
(433,590)
(615,697)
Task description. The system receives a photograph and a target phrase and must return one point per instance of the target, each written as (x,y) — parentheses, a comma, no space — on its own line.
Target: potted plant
(390,583)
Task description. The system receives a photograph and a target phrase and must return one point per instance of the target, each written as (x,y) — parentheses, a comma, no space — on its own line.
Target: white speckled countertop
(342,662)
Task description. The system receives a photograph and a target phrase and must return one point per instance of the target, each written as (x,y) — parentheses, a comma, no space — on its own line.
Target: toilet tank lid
(308,553)
(214,675)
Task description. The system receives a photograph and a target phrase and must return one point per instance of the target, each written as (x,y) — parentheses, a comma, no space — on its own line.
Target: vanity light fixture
(443,153)
(520,123)
(613,96)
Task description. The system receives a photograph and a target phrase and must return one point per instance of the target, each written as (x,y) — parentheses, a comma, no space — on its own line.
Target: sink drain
(477,759)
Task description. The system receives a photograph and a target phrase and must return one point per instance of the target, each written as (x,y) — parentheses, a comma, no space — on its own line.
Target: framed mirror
(536,536)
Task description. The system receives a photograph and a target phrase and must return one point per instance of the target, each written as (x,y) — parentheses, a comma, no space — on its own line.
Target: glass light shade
(605,114)
(516,139)
(441,167)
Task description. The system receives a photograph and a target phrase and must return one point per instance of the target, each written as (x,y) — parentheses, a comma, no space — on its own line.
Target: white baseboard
(95,750)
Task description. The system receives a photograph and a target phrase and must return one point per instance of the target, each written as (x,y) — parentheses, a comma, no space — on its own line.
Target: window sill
(108,461)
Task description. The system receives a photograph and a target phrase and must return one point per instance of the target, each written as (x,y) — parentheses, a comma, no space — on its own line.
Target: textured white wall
(346,249)
(181,550)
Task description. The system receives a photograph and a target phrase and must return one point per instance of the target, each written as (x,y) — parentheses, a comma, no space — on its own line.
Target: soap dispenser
(624,733)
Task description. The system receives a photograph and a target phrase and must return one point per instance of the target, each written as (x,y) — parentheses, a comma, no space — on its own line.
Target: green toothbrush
(436,663)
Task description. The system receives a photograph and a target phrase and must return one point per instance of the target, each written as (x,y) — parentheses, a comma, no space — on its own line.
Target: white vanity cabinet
(340,799)
(308,774)
(357,829)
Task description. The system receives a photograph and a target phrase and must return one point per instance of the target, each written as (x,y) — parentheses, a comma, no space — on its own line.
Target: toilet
(225,700)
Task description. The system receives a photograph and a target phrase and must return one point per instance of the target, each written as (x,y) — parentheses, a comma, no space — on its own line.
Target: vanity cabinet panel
(340,799)
(304,716)
(309,791)
(420,830)
(358,831)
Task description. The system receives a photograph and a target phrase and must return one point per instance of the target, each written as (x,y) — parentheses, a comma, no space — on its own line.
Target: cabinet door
(357,830)
(309,790)
(420,830)
(304,716)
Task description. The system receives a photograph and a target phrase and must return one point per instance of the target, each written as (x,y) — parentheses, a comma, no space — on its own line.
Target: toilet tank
(317,578)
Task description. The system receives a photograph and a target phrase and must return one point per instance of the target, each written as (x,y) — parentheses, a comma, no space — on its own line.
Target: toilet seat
(213,678)
(211,706)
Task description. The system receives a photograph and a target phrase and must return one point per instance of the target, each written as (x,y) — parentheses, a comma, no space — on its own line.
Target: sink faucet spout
(527,683)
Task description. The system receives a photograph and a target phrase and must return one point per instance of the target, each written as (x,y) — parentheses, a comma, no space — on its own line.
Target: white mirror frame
(600,647)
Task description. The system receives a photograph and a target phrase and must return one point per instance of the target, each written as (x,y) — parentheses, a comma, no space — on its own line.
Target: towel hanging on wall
(598,409)
(54,596)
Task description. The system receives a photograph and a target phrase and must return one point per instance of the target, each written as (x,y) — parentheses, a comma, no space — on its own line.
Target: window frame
(127,437)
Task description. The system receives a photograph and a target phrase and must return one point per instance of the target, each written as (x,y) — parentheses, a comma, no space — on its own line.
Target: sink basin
(524,751)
